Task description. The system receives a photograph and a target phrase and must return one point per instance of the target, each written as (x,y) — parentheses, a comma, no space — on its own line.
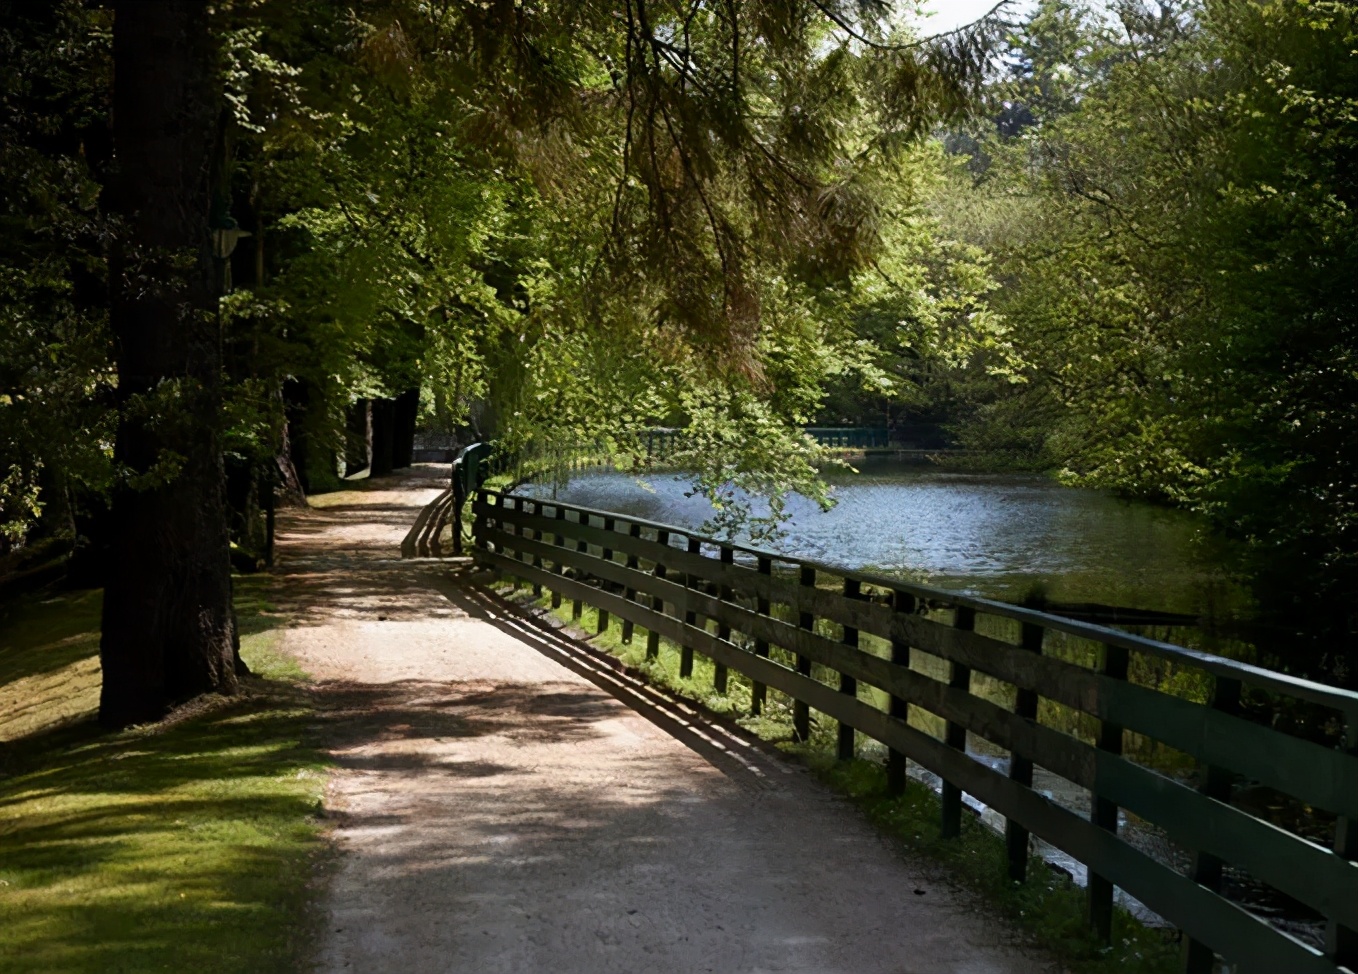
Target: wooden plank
(847,684)
(630,593)
(537,560)
(1102,812)
(1307,872)
(898,707)
(955,732)
(1287,862)
(1345,701)
(1341,933)
(657,603)
(581,547)
(1020,764)
(758,691)
(723,628)
(1320,776)
(560,540)
(1215,782)
(1201,913)
(607,557)
(801,710)
(690,617)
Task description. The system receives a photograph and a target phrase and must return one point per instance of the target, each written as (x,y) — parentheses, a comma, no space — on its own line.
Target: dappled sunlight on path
(507,799)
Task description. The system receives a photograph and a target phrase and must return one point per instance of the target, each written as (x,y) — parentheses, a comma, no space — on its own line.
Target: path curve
(507,801)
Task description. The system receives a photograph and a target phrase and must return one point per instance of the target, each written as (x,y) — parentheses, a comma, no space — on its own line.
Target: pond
(995,535)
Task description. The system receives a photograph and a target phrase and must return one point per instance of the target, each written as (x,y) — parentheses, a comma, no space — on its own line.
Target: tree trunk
(168,625)
(384,428)
(358,437)
(292,456)
(407,414)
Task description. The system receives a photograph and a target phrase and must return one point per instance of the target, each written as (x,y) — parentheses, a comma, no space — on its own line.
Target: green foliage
(54,373)
(1174,230)
(658,223)
(570,220)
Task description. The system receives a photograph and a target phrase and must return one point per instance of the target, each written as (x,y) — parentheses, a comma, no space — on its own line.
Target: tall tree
(168,626)
(700,154)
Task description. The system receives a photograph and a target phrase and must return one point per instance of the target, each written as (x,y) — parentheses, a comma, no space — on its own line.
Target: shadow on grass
(187,844)
(168,848)
(44,633)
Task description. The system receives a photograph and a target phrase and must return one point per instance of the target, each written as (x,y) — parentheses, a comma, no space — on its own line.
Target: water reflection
(997,535)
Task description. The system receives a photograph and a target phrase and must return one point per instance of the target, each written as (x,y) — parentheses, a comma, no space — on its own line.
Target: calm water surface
(997,535)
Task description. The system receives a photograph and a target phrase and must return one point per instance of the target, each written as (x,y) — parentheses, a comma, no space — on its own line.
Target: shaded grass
(1049,907)
(49,666)
(185,845)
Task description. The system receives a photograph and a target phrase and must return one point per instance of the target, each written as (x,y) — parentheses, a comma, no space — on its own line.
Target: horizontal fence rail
(850,437)
(998,673)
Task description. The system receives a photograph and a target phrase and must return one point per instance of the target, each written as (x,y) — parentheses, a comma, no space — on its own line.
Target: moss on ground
(1048,907)
(187,845)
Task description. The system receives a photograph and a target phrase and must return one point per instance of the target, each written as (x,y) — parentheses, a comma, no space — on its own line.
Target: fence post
(1102,812)
(657,602)
(847,684)
(459,501)
(695,547)
(560,568)
(604,584)
(758,692)
(719,674)
(1206,869)
(1020,768)
(479,542)
(955,735)
(1341,943)
(801,711)
(630,594)
(537,558)
(581,547)
(898,708)
(516,531)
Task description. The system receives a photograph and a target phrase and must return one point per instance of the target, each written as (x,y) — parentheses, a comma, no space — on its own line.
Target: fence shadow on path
(747,760)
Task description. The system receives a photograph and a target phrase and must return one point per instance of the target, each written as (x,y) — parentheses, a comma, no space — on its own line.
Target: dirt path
(508,802)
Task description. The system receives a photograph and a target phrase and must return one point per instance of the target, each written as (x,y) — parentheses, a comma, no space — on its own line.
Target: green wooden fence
(767,617)
(850,437)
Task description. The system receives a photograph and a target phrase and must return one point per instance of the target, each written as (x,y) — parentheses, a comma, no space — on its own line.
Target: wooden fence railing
(850,437)
(946,666)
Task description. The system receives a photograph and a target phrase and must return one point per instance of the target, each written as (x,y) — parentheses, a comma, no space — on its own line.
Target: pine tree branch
(857,35)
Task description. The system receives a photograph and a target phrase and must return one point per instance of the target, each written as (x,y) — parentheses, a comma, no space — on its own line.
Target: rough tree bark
(168,624)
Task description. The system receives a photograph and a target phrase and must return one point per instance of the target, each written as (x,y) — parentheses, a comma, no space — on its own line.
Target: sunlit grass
(183,846)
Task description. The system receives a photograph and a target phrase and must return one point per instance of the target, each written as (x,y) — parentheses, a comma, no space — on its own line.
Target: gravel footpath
(507,801)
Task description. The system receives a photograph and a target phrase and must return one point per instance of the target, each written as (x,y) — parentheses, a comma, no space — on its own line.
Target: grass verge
(1049,907)
(185,845)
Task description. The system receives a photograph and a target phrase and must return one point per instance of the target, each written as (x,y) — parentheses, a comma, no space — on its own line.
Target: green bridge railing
(919,669)
(850,437)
